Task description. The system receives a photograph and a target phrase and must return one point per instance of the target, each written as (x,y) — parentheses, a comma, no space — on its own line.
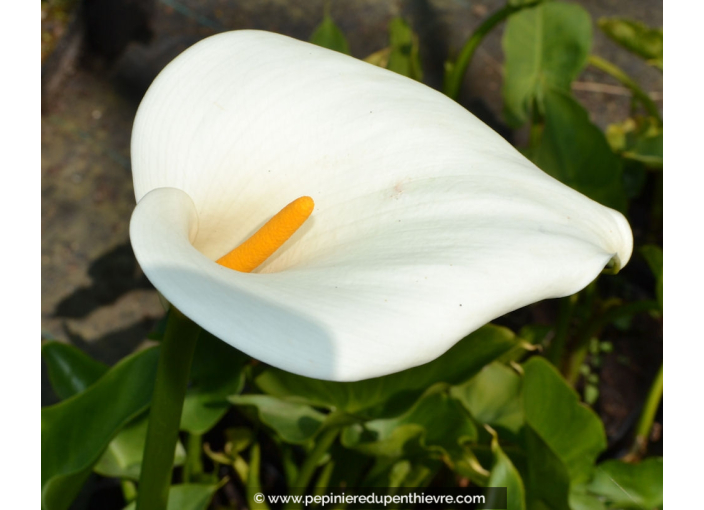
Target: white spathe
(427,224)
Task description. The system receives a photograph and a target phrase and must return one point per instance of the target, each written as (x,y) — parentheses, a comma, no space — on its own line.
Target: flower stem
(645,424)
(254,484)
(322,482)
(322,445)
(193,467)
(626,80)
(455,71)
(175,358)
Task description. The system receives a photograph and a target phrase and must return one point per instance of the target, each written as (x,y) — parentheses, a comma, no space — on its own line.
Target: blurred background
(98,59)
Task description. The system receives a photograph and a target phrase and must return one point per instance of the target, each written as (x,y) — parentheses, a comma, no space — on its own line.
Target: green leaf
(505,474)
(547,481)
(545,47)
(553,410)
(635,37)
(653,255)
(630,485)
(123,457)
(582,499)
(575,151)
(70,370)
(294,423)
(638,139)
(392,394)
(76,431)
(403,57)
(194,496)
(394,440)
(493,397)
(60,492)
(436,423)
(216,373)
(329,36)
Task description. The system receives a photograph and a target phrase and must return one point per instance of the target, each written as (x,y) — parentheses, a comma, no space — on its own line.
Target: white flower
(427,224)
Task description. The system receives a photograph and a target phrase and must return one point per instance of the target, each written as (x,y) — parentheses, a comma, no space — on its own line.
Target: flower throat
(264,242)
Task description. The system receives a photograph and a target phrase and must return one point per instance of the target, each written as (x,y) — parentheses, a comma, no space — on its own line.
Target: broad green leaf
(216,373)
(582,499)
(653,255)
(329,36)
(403,57)
(547,481)
(294,423)
(636,37)
(545,47)
(59,492)
(493,397)
(70,370)
(630,485)
(436,422)
(396,440)
(553,411)
(392,394)
(638,139)
(193,496)
(575,151)
(123,457)
(505,474)
(76,431)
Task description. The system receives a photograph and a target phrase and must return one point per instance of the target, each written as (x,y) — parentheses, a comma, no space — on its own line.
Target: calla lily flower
(427,224)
